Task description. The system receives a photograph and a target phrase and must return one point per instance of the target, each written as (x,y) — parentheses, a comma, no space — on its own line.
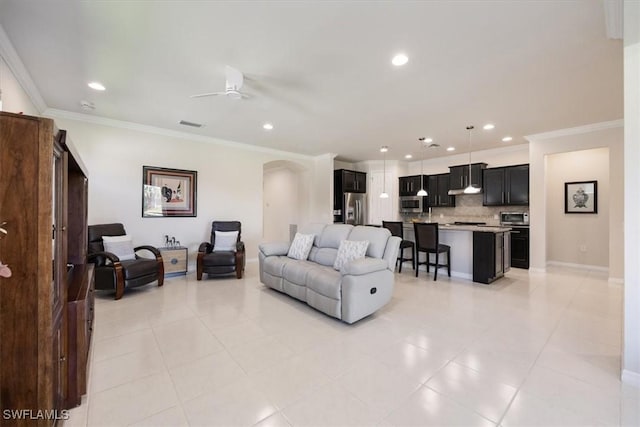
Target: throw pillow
(120,246)
(301,246)
(350,250)
(225,241)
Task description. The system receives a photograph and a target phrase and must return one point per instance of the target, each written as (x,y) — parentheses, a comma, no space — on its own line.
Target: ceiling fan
(233,85)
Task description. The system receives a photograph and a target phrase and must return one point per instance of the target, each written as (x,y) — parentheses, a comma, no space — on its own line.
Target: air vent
(192,124)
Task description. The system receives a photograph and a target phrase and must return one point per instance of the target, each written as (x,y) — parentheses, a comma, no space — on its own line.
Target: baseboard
(616,280)
(578,266)
(631,378)
(537,270)
(252,260)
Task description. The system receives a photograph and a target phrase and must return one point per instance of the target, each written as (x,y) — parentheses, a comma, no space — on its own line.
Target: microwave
(413,204)
(514,218)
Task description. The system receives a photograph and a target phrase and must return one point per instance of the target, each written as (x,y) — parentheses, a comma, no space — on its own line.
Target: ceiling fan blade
(202,95)
(235,78)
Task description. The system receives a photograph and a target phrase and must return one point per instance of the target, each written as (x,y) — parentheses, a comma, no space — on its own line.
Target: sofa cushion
(274,265)
(301,246)
(377,238)
(333,234)
(325,281)
(296,271)
(313,228)
(350,250)
(323,256)
(214,259)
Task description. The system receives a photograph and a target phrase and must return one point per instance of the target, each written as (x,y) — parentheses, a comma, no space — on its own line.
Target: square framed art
(581,197)
(168,192)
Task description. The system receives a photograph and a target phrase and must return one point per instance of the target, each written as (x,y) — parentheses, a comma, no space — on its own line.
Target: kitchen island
(491,260)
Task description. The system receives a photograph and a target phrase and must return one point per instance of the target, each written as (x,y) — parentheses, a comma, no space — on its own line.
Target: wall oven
(413,204)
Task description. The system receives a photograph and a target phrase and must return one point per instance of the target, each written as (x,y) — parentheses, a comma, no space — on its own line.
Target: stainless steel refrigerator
(355,208)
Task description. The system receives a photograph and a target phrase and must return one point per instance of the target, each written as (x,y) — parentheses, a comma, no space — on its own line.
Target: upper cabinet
(348,181)
(459,176)
(439,191)
(506,186)
(410,185)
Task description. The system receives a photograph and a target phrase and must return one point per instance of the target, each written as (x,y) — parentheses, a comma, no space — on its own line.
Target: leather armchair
(221,262)
(111,273)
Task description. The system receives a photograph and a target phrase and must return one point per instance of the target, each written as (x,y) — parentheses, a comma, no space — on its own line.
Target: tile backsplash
(468,208)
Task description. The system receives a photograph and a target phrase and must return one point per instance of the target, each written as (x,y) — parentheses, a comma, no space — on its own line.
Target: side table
(174,260)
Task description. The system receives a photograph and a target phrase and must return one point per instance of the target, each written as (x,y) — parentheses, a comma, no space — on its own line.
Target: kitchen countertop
(452,227)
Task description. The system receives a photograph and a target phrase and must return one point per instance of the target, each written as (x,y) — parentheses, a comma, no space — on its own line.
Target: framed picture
(168,192)
(581,197)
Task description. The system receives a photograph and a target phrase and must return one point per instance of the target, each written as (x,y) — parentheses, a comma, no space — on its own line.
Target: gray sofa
(360,288)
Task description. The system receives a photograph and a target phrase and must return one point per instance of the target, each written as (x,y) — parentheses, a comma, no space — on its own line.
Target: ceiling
(321,71)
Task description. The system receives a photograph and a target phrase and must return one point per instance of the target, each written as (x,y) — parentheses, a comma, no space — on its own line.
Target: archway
(285,190)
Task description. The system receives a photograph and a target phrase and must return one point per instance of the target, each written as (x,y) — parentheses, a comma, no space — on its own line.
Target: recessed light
(267,126)
(97,86)
(451,148)
(384,149)
(408,156)
(400,59)
(507,139)
(488,126)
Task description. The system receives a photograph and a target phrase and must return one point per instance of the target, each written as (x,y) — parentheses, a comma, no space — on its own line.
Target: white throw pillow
(225,241)
(350,250)
(120,246)
(301,246)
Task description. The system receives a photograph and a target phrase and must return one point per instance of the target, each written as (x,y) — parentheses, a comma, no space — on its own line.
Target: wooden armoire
(43,200)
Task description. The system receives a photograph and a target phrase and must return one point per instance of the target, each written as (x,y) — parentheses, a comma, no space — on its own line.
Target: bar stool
(395,227)
(427,241)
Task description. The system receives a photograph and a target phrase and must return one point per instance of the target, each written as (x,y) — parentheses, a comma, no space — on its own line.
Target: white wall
(631,351)
(230,182)
(569,234)
(281,202)
(14,98)
(609,135)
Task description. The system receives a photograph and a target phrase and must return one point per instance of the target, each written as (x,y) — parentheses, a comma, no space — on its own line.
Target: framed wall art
(168,192)
(581,197)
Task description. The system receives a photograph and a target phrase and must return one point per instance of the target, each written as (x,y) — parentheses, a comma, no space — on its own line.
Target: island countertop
(460,239)
(454,227)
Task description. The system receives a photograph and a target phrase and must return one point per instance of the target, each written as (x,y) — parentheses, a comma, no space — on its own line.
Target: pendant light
(422,191)
(384,150)
(471,189)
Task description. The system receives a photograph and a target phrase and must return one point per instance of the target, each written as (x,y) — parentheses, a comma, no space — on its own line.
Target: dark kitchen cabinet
(410,185)
(506,186)
(490,256)
(439,191)
(459,176)
(350,181)
(520,247)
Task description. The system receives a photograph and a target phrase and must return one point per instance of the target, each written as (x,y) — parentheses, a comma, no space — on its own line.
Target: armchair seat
(140,267)
(219,259)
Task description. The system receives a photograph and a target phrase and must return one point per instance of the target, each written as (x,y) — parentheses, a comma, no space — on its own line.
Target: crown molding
(55,113)
(13,61)
(576,130)
(613,17)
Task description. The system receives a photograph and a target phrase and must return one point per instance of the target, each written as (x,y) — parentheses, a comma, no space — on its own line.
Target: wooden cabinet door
(517,185)
(360,182)
(493,187)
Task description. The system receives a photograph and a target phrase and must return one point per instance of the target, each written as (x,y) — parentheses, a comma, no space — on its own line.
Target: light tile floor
(530,349)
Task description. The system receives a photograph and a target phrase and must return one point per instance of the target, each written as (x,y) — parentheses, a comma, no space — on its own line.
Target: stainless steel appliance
(355,208)
(519,237)
(514,218)
(413,204)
